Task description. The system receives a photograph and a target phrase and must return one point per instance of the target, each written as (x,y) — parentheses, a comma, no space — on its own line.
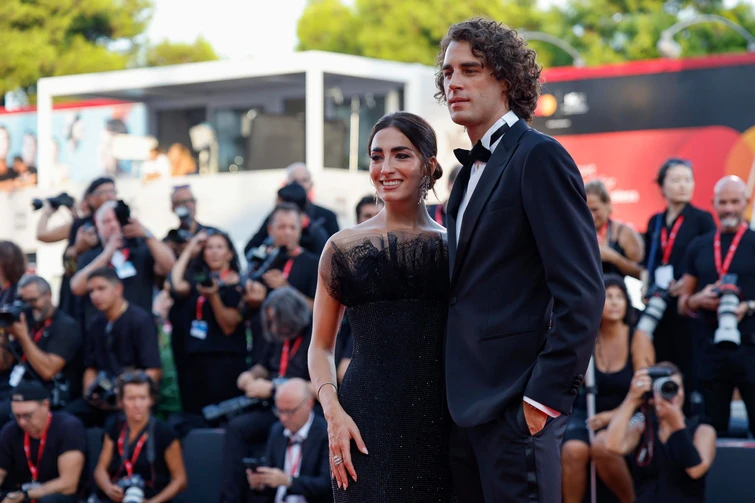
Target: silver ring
(337,460)
(638,384)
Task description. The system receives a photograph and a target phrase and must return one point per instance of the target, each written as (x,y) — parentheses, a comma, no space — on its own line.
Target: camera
(658,299)
(666,387)
(62,199)
(11,313)
(727,333)
(230,408)
(133,489)
(265,258)
(102,390)
(253,463)
(122,212)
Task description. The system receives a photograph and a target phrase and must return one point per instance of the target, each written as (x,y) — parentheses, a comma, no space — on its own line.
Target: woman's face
(679,184)
(217,255)
(395,166)
(136,401)
(600,210)
(615,307)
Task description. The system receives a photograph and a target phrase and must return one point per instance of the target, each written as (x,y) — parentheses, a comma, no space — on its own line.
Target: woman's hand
(341,430)
(114,493)
(209,291)
(641,384)
(600,420)
(197,243)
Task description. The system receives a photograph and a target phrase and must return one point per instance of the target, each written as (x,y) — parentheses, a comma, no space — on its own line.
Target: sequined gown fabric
(394,287)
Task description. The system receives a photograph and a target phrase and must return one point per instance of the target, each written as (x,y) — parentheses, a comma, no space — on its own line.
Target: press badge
(664,275)
(16,375)
(123,268)
(31,485)
(198,329)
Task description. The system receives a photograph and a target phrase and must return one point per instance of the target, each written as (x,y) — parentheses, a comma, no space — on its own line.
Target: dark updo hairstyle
(670,163)
(12,262)
(419,132)
(135,377)
(617,281)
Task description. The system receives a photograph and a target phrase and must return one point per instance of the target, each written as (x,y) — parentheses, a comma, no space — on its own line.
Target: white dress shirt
(474,177)
(293,455)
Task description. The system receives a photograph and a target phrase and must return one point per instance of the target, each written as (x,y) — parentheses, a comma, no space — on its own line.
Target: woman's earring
(377,201)
(424,186)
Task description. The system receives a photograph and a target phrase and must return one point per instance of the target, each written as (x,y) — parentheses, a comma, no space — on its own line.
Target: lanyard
(128,464)
(295,463)
(667,241)
(603,231)
(126,253)
(202,299)
(37,336)
(439,214)
(290,262)
(34,468)
(722,270)
(286,357)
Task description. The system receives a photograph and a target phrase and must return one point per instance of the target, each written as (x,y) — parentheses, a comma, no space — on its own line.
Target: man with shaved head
(721,260)
(297,468)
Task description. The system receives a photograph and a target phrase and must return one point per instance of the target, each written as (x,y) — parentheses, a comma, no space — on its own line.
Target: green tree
(603,31)
(170,53)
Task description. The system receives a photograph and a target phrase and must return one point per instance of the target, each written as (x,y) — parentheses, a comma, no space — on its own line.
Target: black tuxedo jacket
(526,293)
(313,481)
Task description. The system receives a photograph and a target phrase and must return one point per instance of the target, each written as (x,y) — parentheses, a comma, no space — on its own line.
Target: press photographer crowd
(239,327)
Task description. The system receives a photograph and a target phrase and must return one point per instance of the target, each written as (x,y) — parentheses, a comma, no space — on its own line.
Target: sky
(237,28)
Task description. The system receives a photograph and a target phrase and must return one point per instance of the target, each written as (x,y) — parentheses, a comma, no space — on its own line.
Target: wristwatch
(148,234)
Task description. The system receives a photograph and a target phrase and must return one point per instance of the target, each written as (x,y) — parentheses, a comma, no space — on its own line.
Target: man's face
(367,211)
(301,176)
(184,197)
(108,225)
(31,416)
(103,193)
(103,293)
(293,410)
(730,204)
(475,98)
(41,304)
(285,229)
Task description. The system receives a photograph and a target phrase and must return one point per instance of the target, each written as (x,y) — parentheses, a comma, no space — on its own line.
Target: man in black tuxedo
(297,469)
(526,293)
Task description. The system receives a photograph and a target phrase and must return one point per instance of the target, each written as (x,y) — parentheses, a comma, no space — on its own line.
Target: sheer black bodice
(395,288)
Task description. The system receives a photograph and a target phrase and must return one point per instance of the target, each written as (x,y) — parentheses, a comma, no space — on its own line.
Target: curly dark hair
(12,262)
(505,53)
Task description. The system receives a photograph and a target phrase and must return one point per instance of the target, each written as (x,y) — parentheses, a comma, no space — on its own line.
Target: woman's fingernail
(365,450)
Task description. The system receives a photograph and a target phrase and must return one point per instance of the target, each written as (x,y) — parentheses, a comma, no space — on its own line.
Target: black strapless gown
(395,288)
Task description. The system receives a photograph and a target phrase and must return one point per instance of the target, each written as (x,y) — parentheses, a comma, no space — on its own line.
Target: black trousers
(676,340)
(242,434)
(500,461)
(722,370)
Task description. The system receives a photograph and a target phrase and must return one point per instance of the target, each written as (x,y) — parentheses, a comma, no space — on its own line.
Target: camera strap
(723,269)
(34,467)
(668,240)
(38,336)
(654,244)
(290,262)
(128,464)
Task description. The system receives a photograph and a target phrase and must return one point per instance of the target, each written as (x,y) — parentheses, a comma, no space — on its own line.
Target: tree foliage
(172,53)
(603,31)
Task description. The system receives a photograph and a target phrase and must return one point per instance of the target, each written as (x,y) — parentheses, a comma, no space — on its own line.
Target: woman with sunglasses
(668,236)
(139,448)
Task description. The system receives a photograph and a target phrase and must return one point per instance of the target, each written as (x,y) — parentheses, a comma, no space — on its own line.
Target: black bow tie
(479,152)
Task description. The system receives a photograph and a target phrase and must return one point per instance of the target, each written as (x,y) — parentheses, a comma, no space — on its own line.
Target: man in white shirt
(526,293)
(297,467)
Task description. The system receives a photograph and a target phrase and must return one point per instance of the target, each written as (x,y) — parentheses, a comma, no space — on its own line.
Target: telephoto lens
(651,316)
(727,333)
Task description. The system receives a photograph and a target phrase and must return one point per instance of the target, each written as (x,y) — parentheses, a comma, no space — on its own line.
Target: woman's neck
(674,210)
(610,330)
(406,215)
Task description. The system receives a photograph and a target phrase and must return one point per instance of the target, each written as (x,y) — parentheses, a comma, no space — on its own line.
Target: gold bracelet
(324,384)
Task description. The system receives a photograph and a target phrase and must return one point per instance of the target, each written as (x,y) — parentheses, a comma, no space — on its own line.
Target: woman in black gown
(391,274)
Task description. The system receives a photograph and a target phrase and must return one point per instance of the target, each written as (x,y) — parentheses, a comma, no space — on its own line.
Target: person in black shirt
(122,337)
(47,349)
(438,211)
(41,452)
(668,237)
(206,321)
(299,173)
(710,258)
(137,265)
(184,206)
(12,268)
(682,449)
(287,320)
(140,445)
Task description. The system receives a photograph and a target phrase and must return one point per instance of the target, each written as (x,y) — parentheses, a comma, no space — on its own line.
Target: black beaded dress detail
(395,289)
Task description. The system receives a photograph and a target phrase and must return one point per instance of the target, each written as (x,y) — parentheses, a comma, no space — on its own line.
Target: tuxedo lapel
(494,169)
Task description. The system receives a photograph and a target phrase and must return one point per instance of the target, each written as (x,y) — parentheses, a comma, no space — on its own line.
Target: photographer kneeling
(141,458)
(671,454)
(288,327)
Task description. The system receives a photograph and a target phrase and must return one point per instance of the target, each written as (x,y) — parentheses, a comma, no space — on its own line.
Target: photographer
(718,263)
(140,455)
(668,237)
(48,347)
(184,206)
(122,336)
(206,321)
(670,454)
(134,253)
(620,350)
(41,452)
(288,325)
(12,269)
(296,461)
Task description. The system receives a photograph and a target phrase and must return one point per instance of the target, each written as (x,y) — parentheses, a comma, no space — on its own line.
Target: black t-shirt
(129,342)
(297,360)
(62,338)
(163,437)
(66,434)
(216,341)
(701,264)
(8,175)
(137,289)
(696,223)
